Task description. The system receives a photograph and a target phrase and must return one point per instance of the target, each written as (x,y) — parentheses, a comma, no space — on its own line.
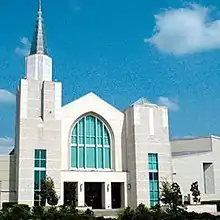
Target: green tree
(48,193)
(195,192)
(171,195)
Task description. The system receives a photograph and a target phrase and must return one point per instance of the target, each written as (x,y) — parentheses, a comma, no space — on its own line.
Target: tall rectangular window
(153,179)
(209,183)
(153,162)
(40,157)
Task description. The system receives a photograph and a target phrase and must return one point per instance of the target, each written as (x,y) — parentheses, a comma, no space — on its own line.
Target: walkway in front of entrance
(96,194)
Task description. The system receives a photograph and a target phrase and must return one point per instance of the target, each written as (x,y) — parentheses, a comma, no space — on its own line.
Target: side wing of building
(197,159)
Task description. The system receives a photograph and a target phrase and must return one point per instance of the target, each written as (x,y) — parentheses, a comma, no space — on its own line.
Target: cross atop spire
(38,45)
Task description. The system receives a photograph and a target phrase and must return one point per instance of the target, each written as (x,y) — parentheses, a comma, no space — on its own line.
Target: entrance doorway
(116,195)
(93,195)
(70,193)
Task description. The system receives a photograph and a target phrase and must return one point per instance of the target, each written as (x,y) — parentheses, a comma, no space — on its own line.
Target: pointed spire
(38,45)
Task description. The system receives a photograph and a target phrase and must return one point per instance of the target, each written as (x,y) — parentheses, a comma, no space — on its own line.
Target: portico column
(108,195)
(81,194)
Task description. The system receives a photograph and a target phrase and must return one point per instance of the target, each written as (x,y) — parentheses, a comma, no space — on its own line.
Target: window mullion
(85,153)
(77,144)
(103,143)
(96,143)
(39,179)
(39,159)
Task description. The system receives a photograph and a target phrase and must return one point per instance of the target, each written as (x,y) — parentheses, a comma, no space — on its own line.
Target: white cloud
(25,41)
(186,30)
(6,145)
(172,105)
(25,48)
(6,96)
(6,141)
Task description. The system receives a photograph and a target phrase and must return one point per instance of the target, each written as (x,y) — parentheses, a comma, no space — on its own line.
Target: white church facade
(117,157)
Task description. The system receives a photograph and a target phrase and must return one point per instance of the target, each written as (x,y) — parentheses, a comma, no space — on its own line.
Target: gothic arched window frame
(90,147)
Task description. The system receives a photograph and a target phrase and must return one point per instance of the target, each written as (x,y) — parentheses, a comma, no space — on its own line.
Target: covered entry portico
(100,184)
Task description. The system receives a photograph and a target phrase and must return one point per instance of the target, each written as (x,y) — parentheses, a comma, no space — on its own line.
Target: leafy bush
(48,192)
(156,213)
(6,205)
(127,214)
(195,192)
(17,212)
(171,195)
(37,212)
(23,212)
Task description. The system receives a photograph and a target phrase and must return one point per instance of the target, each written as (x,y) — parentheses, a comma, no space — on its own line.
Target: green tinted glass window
(89,137)
(81,157)
(100,157)
(74,157)
(91,157)
(107,157)
(40,158)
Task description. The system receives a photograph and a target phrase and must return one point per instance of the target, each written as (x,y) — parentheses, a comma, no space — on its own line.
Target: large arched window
(90,144)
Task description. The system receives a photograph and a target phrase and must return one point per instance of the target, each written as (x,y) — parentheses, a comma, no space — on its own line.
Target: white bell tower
(38,63)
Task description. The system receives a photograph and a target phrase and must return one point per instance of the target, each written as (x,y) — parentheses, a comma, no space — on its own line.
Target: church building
(113,158)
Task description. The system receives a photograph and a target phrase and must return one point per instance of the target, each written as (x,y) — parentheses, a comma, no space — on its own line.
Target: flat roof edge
(194,138)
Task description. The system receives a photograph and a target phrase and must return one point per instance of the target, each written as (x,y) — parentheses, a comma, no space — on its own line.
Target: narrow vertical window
(209,183)
(40,157)
(153,179)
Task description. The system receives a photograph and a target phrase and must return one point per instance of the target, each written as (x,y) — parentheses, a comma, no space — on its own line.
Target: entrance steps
(106,212)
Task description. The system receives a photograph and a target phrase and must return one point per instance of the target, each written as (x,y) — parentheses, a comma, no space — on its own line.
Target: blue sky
(165,50)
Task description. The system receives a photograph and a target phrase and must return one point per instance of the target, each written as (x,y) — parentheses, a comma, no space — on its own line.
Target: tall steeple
(38,63)
(38,45)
